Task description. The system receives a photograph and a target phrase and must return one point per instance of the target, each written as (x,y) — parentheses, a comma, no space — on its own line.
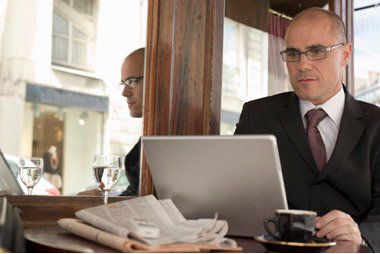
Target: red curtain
(277,25)
(278,78)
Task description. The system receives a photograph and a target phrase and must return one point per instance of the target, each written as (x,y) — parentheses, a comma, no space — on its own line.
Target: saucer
(272,244)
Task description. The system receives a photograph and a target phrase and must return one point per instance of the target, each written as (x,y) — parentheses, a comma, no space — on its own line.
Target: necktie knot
(314,117)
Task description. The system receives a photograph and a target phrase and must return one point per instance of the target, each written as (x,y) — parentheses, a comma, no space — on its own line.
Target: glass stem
(30,189)
(105,200)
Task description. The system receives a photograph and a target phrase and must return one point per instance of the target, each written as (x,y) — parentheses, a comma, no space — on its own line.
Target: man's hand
(338,226)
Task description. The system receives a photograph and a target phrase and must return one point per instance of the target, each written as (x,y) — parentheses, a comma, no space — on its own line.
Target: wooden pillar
(183,70)
(345,9)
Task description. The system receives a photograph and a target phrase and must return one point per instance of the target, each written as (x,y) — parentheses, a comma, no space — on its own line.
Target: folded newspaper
(150,225)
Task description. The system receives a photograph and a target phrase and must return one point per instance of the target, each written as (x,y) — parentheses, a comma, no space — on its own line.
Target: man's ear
(346,54)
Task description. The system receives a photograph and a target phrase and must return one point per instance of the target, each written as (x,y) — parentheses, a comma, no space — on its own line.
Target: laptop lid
(237,176)
(8,180)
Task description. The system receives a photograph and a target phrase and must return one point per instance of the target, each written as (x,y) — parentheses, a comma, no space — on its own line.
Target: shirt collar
(333,107)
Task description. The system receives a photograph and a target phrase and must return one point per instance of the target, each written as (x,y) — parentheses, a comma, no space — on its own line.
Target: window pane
(83,6)
(79,34)
(367,54)
(60,25)
(79,53)
(60,48)
(245,75)
(363,3)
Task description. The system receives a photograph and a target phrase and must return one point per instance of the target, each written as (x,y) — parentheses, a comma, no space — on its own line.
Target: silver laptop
(237,176)
(8,180)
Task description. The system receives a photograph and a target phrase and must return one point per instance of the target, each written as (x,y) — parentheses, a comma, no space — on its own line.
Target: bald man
(132,79)
(329,143)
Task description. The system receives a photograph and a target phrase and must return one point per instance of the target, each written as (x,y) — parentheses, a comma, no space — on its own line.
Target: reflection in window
(366,50)
(74,134)
(71,25)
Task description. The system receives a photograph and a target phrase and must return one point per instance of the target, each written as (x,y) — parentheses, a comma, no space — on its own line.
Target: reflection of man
(132,74)
(51,170)
(329,143)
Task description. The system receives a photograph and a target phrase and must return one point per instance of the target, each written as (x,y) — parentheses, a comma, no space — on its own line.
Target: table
(41,213)
(55,239)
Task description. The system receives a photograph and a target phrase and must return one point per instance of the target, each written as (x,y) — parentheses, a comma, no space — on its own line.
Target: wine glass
(30,171)
(106,172)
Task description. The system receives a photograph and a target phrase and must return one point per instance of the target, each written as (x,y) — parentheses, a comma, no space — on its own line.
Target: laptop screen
(8,180)
(239,177)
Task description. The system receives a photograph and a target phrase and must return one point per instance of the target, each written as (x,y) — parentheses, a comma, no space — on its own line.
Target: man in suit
(329,143)
(132,78)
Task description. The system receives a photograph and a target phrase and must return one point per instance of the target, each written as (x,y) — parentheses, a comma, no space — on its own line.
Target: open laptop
(8,181)
(239,177)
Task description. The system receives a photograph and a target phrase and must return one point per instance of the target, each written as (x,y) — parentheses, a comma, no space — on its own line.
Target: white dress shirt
(329,126)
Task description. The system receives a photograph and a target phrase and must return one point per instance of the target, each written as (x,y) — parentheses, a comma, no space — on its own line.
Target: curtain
(278,78)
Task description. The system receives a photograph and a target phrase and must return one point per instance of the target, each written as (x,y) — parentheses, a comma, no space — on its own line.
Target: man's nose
(127,91)
(304,63)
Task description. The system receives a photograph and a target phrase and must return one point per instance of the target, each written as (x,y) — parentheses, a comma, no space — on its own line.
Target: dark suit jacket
(350,182)
(132,170)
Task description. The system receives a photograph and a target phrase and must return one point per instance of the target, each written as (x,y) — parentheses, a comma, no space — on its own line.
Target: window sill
(76,72)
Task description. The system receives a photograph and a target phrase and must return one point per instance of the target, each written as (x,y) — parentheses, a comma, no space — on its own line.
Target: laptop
(8,180)
(238,177)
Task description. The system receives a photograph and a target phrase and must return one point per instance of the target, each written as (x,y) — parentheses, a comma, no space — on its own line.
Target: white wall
(17,45)
(80,146)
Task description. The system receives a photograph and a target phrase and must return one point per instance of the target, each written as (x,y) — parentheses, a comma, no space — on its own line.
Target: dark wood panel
(183,70)
(184,53)
(39,211)
(253,13)
(292,7)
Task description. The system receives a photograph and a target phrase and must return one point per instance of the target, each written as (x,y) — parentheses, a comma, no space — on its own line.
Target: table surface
(55,239)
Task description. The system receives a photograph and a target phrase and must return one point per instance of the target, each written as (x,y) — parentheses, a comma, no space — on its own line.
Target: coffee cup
(292,225)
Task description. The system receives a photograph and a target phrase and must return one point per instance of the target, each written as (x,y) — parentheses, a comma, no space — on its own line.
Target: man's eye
(130,81)
(292,53)
(317,51)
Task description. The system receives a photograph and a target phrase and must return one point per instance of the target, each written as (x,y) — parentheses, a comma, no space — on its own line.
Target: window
(245,70)
(76,135)
(74,34)
(366,50)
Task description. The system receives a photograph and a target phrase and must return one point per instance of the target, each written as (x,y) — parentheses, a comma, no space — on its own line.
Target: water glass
(30,171)
(106,172)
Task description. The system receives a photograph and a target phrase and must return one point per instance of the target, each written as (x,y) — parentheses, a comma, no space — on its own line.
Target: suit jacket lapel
(295,130)
(351,128)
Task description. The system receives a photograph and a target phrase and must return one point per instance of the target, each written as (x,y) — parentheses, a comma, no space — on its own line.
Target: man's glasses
(131,82)
(314,53)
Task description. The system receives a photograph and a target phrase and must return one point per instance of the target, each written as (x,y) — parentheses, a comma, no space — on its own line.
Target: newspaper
(148,224)
(91,233)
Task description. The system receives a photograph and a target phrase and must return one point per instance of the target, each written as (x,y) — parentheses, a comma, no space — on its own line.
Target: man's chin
(304,96)
(135,114)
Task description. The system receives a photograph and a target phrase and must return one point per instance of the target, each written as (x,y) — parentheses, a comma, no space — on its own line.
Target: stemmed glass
(106,172)
(30,171)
